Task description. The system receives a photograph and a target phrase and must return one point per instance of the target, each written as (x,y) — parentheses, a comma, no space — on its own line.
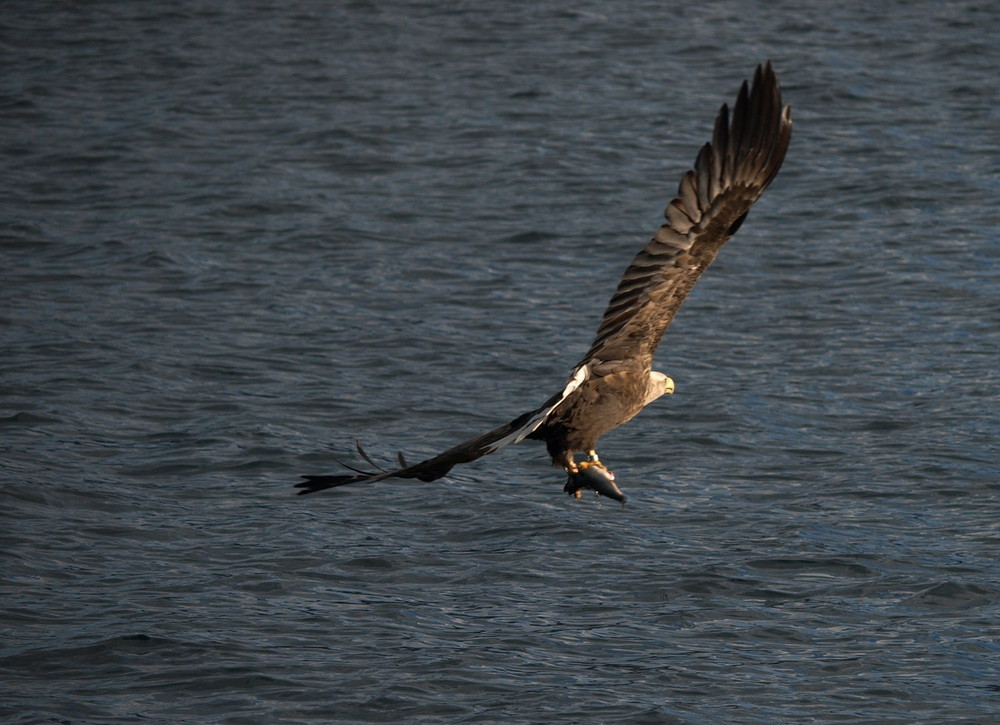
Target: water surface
(236,237)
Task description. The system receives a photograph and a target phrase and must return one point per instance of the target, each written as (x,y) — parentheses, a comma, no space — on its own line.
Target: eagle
(615,379)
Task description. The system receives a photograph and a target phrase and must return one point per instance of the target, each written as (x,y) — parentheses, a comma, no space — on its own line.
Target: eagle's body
(615,380)
(601,403)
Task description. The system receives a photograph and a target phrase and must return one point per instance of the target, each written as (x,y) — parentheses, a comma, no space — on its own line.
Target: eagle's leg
(565,459)
(594,460)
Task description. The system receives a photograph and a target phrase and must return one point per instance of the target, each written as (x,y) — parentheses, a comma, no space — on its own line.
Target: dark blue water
(237,236)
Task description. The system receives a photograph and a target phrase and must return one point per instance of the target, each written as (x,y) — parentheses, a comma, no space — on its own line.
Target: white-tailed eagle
(615,379)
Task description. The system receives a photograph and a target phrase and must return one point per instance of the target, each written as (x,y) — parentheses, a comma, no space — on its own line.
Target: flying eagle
(615,380)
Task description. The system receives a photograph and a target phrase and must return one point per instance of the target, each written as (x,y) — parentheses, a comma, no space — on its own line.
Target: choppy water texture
(238,235)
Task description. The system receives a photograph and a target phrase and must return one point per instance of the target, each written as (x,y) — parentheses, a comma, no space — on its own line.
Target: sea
(237,237)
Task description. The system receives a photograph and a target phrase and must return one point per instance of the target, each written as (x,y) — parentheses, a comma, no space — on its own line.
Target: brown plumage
(614,381)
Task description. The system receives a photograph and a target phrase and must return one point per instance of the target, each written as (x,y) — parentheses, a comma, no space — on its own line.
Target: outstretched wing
(436,467)
(729,175)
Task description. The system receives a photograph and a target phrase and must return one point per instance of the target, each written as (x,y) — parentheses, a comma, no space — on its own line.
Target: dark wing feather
(729,175)
(465,452)
(429,470)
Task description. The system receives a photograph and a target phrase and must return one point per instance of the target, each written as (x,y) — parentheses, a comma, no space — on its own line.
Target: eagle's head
(659,384)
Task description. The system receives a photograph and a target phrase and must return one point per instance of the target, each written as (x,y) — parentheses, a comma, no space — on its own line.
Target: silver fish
(595,477)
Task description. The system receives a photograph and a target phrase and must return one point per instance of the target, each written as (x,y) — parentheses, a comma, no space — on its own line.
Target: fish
(596,477)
